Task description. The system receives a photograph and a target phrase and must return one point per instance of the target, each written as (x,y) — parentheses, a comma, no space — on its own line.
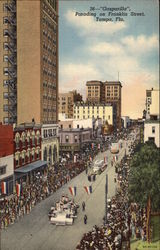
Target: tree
(144,177)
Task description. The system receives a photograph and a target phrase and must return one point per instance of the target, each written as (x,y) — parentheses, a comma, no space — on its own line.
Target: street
(34,231)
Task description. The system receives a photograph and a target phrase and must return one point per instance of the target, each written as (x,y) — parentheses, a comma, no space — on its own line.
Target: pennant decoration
(75,158)
(105,159)
(18,189)
(88,189)
(73,190)
(3,187)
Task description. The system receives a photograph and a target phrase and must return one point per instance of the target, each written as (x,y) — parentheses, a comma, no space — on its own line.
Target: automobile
(61,219)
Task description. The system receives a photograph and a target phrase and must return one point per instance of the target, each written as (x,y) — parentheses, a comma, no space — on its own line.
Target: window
(5,58)
(75,138)
(109,117)
(61,126)
(67,138)
(5,107)
(3,169)
(69,125)
(77,125)
(5,120)
(5,33)
(5,71)
(153,130)
(5,46)
(5,83)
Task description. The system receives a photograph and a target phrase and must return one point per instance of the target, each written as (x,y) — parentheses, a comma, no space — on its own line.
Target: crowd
(123,220)
(42,184)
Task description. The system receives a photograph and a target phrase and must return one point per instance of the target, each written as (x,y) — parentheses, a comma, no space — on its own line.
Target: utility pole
(106,192)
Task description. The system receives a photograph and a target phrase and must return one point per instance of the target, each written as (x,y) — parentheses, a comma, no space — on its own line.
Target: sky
(90,49)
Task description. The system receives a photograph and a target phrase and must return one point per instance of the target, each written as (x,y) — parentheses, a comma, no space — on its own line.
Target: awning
(31,167)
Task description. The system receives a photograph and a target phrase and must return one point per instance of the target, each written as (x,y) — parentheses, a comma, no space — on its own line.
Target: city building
(66,102)
(27,151)
(126,121)
(95,91)
(108,92)
(152,103)
(104,111)
(6,159)
(50,143)
(29,61)
(152,131)
(72,140)
(113,96)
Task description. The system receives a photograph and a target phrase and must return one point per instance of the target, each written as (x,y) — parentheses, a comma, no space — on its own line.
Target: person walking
(85,219)
(83,206)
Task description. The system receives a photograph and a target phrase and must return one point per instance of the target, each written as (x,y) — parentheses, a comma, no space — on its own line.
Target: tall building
(113,95)
(29,61)
(66,102)
(106,92)
(95,91)
(152,103)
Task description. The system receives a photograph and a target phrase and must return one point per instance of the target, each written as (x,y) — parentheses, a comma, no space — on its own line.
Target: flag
(105,159)
(18,189)
(73,190)
(75,158)
(4,187)
(99,146)
(88,189)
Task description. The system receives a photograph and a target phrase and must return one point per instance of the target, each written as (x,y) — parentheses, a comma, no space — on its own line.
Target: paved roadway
(34,232)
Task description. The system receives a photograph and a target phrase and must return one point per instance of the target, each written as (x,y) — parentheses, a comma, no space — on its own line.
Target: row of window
(49,132)
(49,12)
(49,49)
(26,159)
(49,73)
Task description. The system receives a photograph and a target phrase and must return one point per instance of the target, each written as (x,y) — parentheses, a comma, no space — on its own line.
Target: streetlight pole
(106,192)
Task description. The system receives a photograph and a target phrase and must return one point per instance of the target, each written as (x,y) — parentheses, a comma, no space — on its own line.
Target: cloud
(141,44)
(134,46)
(88,26)
(104,48)
(74,75)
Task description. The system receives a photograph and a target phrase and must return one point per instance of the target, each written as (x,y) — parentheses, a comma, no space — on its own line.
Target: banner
(75,158)
(88,189)
(73,190)
(4,187)
(18,189)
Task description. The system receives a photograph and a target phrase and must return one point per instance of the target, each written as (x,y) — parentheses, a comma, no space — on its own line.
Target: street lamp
(106,192)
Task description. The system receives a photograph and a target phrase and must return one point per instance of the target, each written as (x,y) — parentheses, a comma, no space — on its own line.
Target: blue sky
(91,50)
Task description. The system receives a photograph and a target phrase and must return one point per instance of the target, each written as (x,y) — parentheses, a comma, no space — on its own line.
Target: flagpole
(106,192)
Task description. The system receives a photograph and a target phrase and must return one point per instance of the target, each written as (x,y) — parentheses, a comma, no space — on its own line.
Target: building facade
(29,61)
(106,92)
(152,131)
(66,102)
(126,122)
(152,103)
(71,140)
(103,111)
(50,143)
(6,158)
(27,144)
(113,96)
(95,91)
